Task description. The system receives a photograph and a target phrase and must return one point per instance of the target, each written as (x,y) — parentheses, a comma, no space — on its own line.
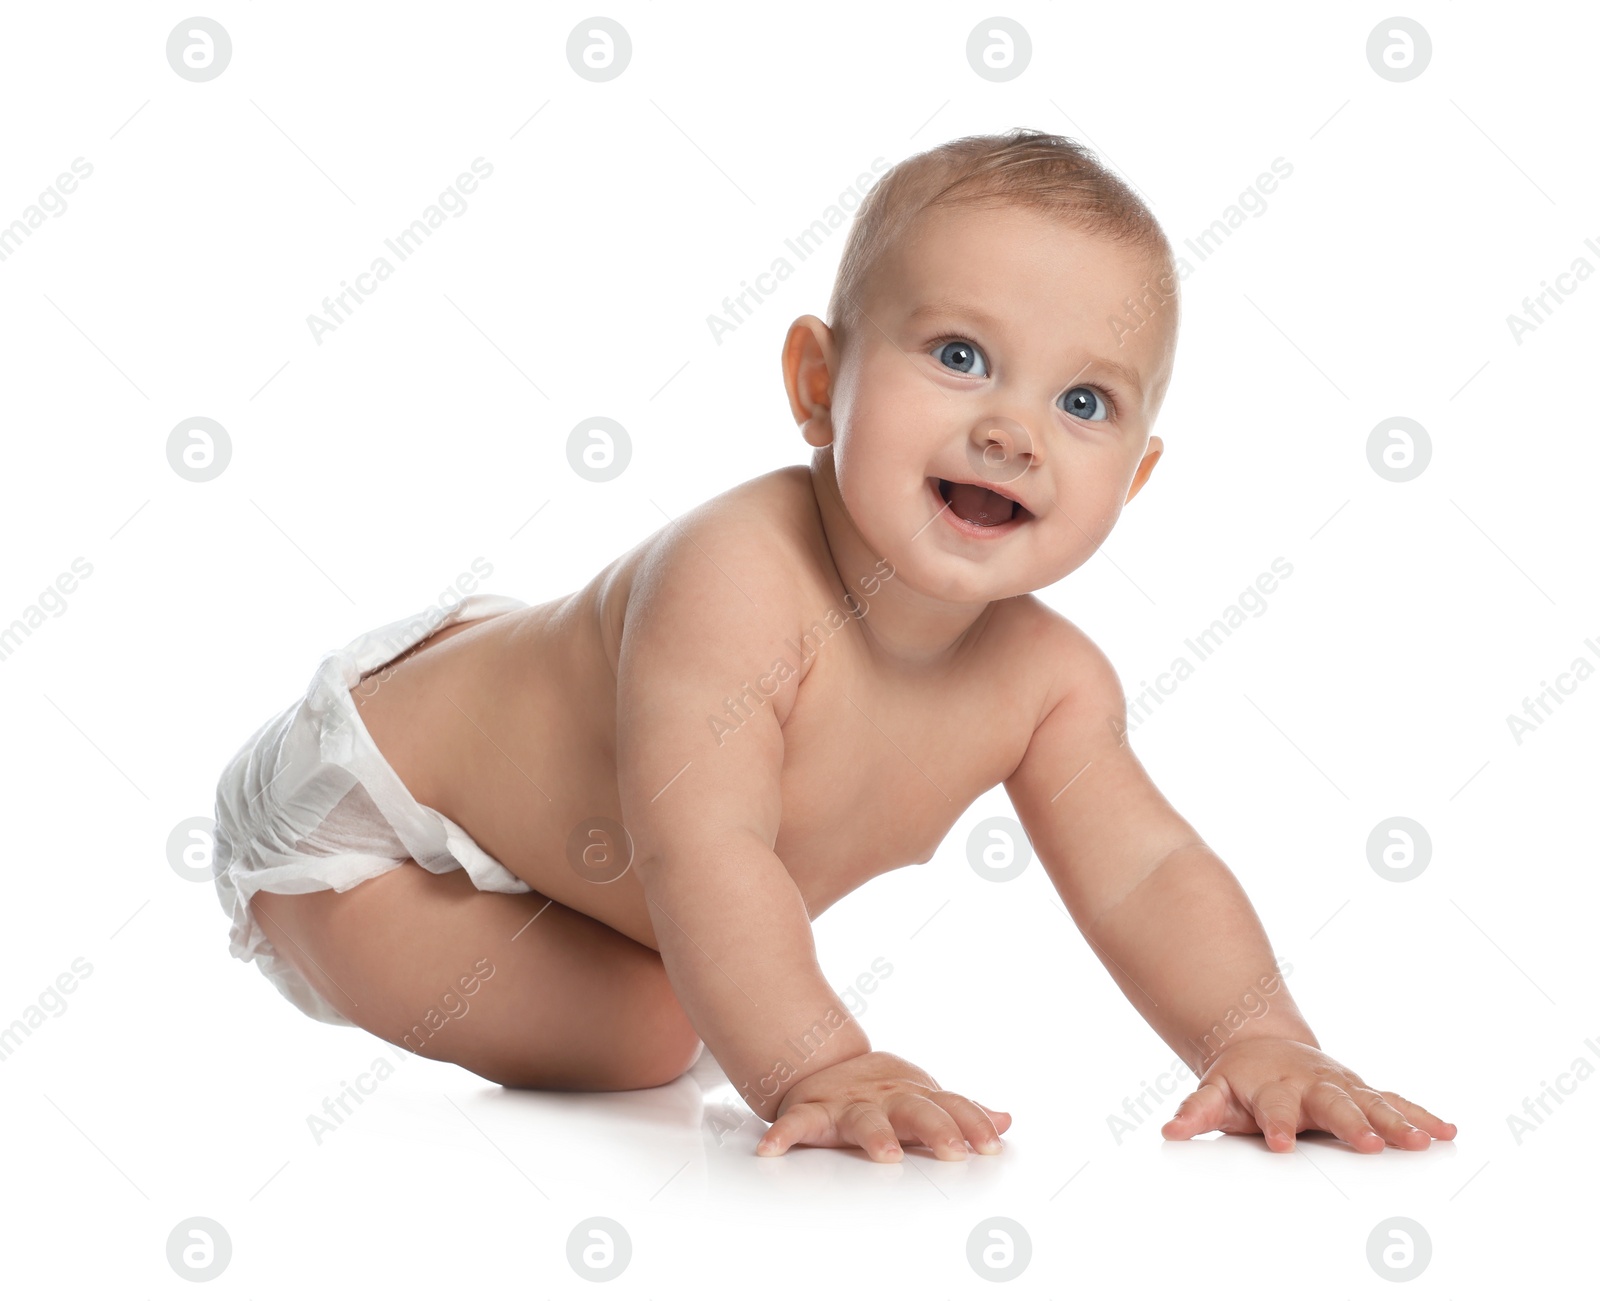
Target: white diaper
(309,803)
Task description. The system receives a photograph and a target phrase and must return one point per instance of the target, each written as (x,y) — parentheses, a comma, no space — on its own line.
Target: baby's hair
(1047,173)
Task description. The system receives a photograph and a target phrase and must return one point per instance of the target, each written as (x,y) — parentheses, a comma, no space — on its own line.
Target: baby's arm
(711,611)
(1177,933)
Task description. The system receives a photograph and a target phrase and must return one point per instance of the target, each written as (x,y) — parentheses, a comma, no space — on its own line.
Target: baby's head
(1005,310)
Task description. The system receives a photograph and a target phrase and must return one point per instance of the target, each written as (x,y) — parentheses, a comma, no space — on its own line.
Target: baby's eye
(1084,403)
(960,355)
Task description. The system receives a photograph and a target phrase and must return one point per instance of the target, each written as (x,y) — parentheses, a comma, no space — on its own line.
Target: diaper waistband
(343,738)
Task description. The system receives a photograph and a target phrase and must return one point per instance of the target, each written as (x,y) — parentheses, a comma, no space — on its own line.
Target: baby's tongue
(979,505)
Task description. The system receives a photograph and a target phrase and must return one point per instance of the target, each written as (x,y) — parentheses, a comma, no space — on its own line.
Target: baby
(562,845)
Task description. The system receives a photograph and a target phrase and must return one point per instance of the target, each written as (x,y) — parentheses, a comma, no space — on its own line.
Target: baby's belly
(548,809)
(558,826)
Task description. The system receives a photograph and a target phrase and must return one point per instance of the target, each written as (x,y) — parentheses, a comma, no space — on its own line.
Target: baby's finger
(922,1120)
(865,1125)
(1200,1112)
(980,1129)
(1276,1107)
(1419,1116)
(1329,1107)
(1390,1123)
(806,1122)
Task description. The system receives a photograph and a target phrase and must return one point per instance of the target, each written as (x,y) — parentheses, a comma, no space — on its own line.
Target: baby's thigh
(515,987)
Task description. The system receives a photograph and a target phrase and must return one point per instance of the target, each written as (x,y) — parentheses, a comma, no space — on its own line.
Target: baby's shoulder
(769,522)
(780,503)
(1038,630)
(1052,652)
(752,544)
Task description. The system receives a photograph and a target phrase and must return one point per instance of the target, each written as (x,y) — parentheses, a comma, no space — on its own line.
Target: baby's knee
(666,1040)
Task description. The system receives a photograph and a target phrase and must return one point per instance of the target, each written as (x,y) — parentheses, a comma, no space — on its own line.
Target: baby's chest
(874,780)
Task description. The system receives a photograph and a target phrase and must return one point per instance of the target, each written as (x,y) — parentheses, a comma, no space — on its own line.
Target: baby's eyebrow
(1126,374)
(949,307)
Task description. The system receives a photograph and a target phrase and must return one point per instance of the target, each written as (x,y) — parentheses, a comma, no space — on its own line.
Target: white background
(369,470)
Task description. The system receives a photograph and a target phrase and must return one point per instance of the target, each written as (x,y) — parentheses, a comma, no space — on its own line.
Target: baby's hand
(1277,1087)
(873,1100)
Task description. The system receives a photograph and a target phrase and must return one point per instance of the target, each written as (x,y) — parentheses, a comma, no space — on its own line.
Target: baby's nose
(999,448)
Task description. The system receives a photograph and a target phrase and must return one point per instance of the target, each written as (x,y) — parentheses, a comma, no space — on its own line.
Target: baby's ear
(1152,454)
(809,360)
(818,431)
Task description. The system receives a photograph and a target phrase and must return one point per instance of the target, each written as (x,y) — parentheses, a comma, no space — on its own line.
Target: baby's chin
(963,581)
(949,569)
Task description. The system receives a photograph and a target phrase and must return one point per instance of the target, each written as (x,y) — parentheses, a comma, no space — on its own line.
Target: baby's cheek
(1094,518)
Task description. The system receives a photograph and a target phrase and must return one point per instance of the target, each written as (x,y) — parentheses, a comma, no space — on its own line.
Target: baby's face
(987,350)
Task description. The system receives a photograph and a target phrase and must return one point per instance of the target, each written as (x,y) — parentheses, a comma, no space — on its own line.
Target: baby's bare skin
(508,725)
(985,349)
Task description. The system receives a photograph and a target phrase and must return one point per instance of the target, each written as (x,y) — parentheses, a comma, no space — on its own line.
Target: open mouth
(978,506)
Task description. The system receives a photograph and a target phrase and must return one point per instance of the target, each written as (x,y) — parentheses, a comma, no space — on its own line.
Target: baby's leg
(571,1003)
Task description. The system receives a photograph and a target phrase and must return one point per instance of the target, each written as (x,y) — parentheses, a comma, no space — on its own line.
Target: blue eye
(1084,402)
(959,355)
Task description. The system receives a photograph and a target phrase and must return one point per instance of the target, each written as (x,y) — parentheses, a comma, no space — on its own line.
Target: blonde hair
(1047,173)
